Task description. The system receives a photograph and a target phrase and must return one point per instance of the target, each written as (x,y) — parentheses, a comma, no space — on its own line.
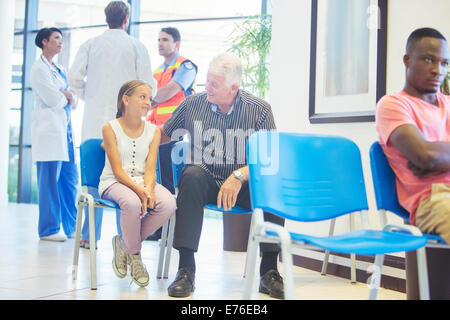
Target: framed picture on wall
(348,60)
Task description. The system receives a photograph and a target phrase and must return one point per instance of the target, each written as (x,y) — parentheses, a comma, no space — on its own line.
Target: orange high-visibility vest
(164,110)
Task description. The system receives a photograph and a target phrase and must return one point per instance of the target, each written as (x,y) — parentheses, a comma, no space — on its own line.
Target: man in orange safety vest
(175,80)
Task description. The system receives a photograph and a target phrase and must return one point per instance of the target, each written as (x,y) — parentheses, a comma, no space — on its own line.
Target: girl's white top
(133,154)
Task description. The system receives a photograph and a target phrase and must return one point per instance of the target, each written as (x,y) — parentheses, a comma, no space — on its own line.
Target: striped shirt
(218,141)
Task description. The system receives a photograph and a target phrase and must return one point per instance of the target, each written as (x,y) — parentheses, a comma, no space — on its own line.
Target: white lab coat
(49,120)
(107,62)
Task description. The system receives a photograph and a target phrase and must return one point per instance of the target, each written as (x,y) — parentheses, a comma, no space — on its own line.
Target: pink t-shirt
(434,123)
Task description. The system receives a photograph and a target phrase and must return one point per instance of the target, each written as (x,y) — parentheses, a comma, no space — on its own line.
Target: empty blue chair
(315,178)
(385,188)
(92,161)
(179,152)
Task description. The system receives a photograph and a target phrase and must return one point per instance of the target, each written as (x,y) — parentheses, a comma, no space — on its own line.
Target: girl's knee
(131,205)
(166,204)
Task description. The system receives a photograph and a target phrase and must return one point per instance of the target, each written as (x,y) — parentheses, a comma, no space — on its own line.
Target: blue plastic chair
(315,178)
(384,184)
(92,161)
(179,152)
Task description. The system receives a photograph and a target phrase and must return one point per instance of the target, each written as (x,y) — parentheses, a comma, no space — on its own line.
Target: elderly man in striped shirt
(218,123)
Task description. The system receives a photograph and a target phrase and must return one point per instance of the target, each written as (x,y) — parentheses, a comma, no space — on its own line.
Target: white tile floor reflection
(34,269)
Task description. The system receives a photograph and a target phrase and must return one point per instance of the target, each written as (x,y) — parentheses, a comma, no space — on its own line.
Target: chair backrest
(384,183)
(178,155)
(305,177)
(92,162)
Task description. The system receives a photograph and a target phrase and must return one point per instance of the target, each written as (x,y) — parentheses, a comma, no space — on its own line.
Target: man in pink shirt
(414,131)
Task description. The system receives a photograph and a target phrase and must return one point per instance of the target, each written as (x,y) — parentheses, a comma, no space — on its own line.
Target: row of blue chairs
(92,160)
(319,178)
(393,238)
(316,178)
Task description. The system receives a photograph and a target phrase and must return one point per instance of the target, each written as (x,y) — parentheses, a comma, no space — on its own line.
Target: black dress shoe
(271,283)
(183,285)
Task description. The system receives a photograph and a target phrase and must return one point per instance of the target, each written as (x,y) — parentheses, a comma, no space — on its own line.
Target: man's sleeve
(176,121)
(185,75)
(266,121)
(78,71)
(391,114)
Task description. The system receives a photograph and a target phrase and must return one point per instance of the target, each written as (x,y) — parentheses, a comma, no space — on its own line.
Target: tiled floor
(34,269)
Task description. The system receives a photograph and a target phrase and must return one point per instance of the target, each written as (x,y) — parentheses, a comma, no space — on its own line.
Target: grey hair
(228,66)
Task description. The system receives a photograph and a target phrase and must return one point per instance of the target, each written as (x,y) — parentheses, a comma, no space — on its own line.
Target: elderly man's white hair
(228,66)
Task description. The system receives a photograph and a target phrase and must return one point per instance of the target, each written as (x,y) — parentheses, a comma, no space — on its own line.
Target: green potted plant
(445,88)
(250,41)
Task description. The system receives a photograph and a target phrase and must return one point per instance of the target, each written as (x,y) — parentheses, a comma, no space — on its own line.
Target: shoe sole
(181,295)
(141,284)
(116,271)
(272,295)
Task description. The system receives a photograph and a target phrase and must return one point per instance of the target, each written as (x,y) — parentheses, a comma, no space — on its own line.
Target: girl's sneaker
(139,274)
(119,261)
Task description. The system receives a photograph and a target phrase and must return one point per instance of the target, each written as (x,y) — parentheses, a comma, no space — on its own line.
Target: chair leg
(375,278)
(288,278)
(169,247)
(252,223)
(162,249)
(92,247)
(353,268)
(76,250)
(352,255)
(252,253)
(327,252)
(422,273)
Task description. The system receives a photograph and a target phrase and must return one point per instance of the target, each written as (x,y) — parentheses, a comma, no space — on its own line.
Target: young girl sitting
(129,179)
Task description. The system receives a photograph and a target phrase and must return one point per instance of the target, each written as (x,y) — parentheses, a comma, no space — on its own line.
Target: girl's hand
(151,201)
(144,195)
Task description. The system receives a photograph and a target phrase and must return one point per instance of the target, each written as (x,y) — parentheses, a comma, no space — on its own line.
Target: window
(15,99)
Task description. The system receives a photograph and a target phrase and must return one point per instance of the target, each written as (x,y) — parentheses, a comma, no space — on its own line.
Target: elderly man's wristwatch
(238,175)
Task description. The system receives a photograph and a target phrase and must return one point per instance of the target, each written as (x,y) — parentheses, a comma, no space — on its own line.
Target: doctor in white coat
(101,66)
(51,137)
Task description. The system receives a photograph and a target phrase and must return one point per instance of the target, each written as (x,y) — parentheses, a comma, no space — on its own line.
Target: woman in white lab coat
(52,144)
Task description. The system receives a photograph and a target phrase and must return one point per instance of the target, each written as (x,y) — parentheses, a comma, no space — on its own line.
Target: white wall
(290,60)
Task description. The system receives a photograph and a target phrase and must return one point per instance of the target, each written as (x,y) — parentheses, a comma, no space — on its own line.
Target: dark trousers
(196,188)
(165,166)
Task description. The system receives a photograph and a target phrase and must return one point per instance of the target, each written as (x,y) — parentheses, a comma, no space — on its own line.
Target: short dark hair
(116,12)
(173,32)
(418,34)
(44,33)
